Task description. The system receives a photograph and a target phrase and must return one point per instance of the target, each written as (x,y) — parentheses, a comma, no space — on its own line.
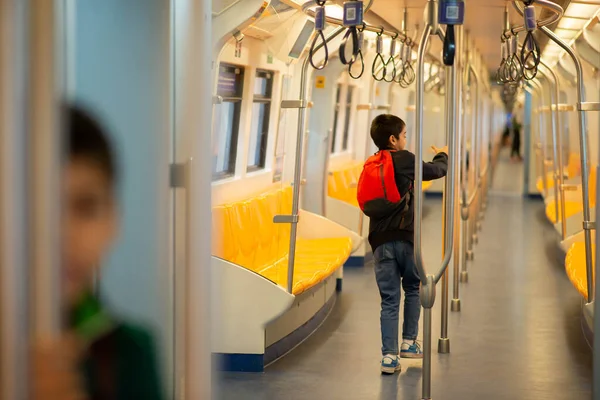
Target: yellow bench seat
(575,267)
(244,234)
(316,260)
(571,208)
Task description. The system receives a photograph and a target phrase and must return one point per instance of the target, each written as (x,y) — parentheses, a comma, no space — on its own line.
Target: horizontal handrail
(371,28)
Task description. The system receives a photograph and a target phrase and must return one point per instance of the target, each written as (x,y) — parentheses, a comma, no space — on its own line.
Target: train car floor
(518,335)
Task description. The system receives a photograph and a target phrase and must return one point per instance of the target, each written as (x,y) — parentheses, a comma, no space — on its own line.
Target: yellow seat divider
(573,207)
(244,233)
(575,266)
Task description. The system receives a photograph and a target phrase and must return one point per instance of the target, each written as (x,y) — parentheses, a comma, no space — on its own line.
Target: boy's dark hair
(384,126)
(87,139)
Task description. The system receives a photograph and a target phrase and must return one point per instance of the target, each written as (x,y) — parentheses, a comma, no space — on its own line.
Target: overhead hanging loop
(500,71)
(391,59)
(361,38)
(353,17)
(379,56)
(319,28)
(530,52)
(409,72)
(516,72)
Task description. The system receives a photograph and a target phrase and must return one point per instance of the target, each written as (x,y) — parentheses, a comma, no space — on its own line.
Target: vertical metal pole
(46,149)
(455,304)
(596,340)
(427,294)
(13,222)
(476,156)
(475,109)
(551,102)
(542,133)
(464,210)
(427,326)
(559,176)
(588,224)
(528,136)
(298,160)
(444,341)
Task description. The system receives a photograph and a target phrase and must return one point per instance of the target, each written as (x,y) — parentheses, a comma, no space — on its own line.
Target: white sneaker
(390,363)
(411,350)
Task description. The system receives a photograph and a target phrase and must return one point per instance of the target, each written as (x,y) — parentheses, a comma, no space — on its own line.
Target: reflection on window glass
(347,118)
(227,120)
(261,112)
(336,114)
(225,128)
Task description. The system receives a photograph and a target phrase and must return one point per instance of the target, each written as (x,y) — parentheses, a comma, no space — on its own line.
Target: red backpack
(377,193)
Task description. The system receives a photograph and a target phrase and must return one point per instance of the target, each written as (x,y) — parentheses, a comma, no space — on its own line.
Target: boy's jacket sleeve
(404,164)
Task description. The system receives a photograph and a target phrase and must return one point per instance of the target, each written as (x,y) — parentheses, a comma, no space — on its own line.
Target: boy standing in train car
(100,356)
(391,235)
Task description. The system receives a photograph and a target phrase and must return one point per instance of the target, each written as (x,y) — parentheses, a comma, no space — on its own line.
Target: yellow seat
(574,165)
(575,267)
(341,183)
(573,207)
(244,234)
(427,185)
(573,170)
(549,182)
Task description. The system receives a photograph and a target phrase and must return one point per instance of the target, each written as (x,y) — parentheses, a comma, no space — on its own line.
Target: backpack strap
(104,358)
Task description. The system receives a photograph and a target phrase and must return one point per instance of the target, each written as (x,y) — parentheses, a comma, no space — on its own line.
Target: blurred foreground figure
(99,357)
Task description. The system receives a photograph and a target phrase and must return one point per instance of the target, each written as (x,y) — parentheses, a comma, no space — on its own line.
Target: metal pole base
(444,345)
(470,255)
(464,277)
(455,305)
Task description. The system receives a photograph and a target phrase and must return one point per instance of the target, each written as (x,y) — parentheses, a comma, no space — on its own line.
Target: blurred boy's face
(89,225)
(399,143)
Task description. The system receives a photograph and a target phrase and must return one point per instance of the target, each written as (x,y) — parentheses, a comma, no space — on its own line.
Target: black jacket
(388,229)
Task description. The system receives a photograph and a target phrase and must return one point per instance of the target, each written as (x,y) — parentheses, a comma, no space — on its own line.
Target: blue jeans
(394,262)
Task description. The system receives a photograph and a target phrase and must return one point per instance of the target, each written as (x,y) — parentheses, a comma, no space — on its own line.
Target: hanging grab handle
(379,56)
(530,52)
(392,60)
(449,49)
(353,17)
(452,12)
(362,60)
(319,28)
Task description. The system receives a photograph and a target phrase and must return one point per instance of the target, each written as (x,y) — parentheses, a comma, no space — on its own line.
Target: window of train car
(349,97)
(261,114)
(336,114)
(227,120)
